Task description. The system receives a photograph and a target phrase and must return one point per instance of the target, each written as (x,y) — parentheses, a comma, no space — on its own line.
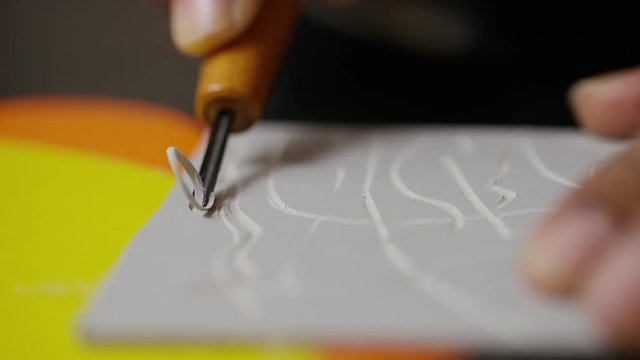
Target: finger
(201,26)
(568,246)
(609,104)
(613,297)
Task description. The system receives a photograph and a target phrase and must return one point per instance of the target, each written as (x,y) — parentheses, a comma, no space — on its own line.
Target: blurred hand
(201,26)
(590,248)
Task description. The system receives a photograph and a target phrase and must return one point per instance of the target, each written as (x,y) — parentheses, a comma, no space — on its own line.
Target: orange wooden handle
(239,76)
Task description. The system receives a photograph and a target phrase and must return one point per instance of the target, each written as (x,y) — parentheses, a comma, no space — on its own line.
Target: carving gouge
(235,81)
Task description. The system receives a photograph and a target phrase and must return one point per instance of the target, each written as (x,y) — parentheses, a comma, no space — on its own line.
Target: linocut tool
(235,81)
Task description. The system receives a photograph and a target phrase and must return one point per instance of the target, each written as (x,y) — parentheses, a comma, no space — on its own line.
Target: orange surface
(122,128)
(345,353)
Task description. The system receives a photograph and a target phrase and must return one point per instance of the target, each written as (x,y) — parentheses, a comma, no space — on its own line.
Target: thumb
(201,26)
(569,243)
(590,248)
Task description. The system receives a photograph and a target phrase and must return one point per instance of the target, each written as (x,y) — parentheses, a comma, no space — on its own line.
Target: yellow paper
(64,219)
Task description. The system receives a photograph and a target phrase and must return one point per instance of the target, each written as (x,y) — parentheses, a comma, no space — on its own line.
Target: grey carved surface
(369,235)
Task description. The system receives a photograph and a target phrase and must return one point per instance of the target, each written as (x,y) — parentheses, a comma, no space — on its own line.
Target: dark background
(517,72)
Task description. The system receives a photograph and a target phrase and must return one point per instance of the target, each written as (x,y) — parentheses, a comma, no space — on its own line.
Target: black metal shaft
(215,151)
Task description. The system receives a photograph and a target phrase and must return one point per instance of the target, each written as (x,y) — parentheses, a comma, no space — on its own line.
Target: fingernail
(600,86)
(560,252)
(620,81)
(592,85)
(197,26)
(613,297)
